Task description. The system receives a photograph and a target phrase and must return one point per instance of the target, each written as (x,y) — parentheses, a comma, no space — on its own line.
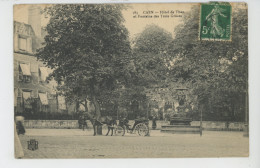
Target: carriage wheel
(142,129)
(119,131)
(104,129)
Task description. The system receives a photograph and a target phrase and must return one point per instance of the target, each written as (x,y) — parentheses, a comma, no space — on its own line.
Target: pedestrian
(82,121)
(154,125)
(17,144)
(19,125)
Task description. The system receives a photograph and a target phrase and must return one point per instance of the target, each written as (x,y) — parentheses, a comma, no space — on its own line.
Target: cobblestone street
(75,143)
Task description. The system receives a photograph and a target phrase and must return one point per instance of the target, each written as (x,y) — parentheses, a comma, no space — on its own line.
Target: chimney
(34,19)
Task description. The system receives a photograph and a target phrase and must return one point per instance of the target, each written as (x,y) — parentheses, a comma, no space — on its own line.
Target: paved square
(75,143)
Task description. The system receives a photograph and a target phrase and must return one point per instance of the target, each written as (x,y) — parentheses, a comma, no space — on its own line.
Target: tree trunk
(77,106)
(86,105)
(97,107)
(97,114)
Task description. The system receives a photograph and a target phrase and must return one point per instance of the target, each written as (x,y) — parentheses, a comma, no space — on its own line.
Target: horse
(99,121)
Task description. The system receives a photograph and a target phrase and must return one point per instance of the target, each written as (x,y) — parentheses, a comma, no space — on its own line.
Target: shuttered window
(22,44)
(43,98)
(61,103)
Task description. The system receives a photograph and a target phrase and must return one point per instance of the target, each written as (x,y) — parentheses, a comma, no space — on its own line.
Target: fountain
(180,122)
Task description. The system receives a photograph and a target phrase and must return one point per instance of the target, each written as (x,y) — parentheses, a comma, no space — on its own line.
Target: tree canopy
(89,50)
(87,47)
(150,55)
(216,71)
(153,39)
(149,65)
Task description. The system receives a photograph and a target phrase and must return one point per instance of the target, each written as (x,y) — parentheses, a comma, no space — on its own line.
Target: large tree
(216,71)
(149,66)
(150,55)
(87,47)
(153,39)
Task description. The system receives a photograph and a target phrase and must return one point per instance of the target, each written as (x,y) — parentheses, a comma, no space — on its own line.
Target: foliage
(149,65)
(146,69)
(216,71)
(153,39)
(87,47)
(150,55)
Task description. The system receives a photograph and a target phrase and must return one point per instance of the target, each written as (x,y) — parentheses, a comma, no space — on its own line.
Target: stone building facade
(35,97)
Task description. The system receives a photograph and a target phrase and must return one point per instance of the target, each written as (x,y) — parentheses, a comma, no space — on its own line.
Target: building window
(24,73)
(22,43)
(27,99)
(43,98)
(19,92)
(44,102)
(27,79)
(62,103)
(43,73)
(20,75)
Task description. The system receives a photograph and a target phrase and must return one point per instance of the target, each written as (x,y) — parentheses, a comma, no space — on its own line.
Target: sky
(134,25)
(137,25)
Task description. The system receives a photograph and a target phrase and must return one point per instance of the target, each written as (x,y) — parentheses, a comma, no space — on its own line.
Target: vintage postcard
(131,80)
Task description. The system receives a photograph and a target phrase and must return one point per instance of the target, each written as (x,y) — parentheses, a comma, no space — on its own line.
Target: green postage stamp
(215,21)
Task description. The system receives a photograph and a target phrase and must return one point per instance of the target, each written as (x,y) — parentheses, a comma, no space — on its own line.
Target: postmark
(215,21)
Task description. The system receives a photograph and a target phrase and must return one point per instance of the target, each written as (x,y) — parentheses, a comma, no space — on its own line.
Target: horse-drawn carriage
(140,127)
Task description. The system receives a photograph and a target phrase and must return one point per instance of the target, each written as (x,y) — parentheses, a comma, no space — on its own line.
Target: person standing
(19,125)
(18,149)
(154,125)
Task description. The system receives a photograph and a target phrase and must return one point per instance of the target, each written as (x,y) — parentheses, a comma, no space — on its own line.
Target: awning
(22,44)
(26,95)
(25,69)
(43,98)
(62,103)
(81,107)
(44,73)
(26,99)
